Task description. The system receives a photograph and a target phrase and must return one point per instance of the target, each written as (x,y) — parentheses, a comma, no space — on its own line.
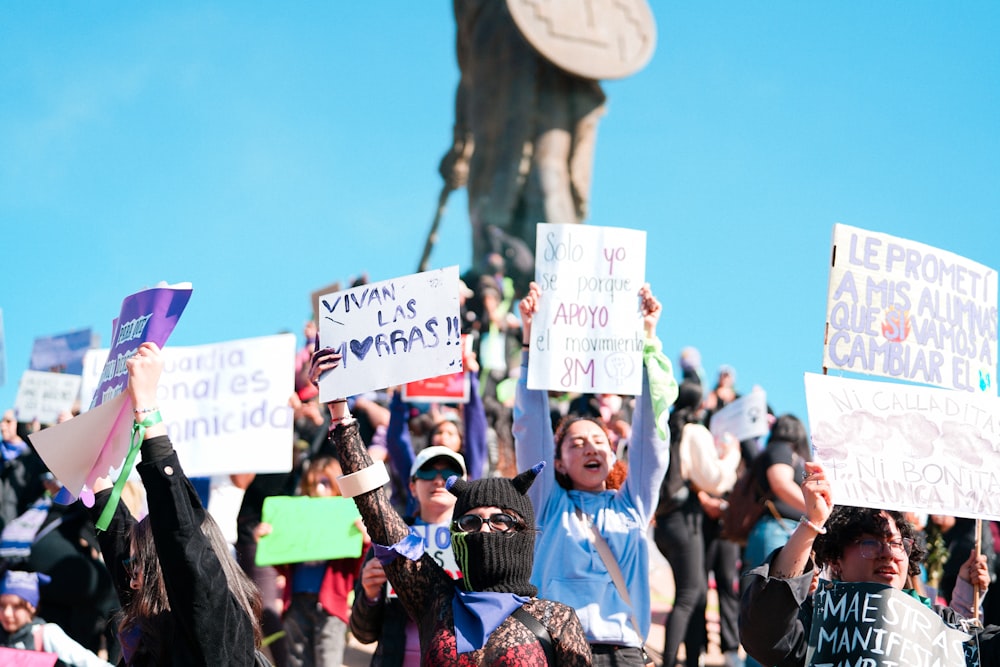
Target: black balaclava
(490,561)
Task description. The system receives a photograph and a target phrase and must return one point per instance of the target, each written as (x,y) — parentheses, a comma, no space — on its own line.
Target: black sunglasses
(427,474)
(499,522)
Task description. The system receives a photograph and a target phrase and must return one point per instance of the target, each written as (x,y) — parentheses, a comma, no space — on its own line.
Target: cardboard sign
(43,396)
(587,334)
(872,625)
(744,418)
(391,332)
(225,404)
(907,311)
(437,543)
(906,447)
(305,529)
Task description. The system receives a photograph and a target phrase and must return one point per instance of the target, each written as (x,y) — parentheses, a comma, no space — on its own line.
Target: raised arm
(193,575)
(533,438)
(649,448)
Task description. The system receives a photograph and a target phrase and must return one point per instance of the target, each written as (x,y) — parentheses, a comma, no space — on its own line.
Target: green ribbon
(662,384)
(138,434)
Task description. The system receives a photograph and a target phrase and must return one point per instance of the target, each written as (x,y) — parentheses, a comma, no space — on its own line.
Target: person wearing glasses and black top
(491,615)
(851,544)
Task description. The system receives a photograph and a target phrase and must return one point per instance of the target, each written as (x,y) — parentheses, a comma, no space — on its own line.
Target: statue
(526,113)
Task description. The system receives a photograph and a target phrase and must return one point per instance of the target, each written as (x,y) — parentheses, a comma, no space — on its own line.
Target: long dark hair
(147,612)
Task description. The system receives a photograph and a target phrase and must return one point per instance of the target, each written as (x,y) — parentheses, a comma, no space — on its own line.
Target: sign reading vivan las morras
(907,311)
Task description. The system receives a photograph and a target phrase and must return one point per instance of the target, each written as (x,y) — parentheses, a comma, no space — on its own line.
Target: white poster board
(906,447)
(587,334)
(744,418)
(43,396)
(907,311)
(391,332)
(225,404)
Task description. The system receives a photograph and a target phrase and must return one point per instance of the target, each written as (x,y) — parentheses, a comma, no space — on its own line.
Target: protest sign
(906,447)
(305,529)
(43,396)
(225,404)
(81,450)
(391,332)
(908,311)
(869,625)
(15,657)
(62,353)
(587,334)
(437,544)
(744,418)
(451,388)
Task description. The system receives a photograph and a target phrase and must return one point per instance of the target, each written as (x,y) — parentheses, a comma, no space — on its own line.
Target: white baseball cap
(427,454)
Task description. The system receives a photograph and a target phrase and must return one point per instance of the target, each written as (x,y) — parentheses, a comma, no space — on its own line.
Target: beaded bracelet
(142,411)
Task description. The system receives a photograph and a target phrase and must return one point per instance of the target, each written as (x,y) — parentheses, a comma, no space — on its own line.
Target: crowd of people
(514,528)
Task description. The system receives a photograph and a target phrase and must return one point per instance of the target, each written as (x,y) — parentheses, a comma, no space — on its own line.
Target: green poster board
(309,529)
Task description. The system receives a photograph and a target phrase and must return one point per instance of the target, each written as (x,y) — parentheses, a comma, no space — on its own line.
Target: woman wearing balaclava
(489,617)
(583,492)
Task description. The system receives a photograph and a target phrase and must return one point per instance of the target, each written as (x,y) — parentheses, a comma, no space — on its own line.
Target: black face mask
(496,562)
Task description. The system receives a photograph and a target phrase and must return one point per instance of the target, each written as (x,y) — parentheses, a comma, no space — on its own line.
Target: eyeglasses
(428,474)
(499,522)
(872,549)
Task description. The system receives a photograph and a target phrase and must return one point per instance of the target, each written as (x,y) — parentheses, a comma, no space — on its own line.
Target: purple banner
(62,353)
(150,315)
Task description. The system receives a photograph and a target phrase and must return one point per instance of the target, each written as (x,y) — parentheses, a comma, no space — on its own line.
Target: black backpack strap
(536,627)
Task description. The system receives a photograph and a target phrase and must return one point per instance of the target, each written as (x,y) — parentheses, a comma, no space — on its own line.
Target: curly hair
(616,476)
(846,524)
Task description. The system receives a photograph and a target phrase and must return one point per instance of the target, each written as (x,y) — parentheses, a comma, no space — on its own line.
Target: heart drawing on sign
(360,348)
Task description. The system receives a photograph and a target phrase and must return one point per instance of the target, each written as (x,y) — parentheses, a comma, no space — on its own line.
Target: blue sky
(261,152)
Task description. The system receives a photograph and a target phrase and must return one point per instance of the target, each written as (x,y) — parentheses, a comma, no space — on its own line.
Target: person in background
(853,544)
(375,616)
(21,629)
(779,471)
(316,593)
(697,473)
(585,493)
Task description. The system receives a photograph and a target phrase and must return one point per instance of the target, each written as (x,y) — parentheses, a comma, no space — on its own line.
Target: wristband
(819,530)
(367,479)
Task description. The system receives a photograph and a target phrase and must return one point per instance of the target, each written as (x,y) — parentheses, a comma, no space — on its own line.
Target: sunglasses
(427,474)
(499,522)
(872,549)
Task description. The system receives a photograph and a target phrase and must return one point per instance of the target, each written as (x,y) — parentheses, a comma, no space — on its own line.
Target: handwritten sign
(587,335)
(906,447)
(870,625)
(43,396)
(908,311)
(225,404)
(437,544)
(744,418)
(149,315)
(307,529)
(62,353)
(391,332)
